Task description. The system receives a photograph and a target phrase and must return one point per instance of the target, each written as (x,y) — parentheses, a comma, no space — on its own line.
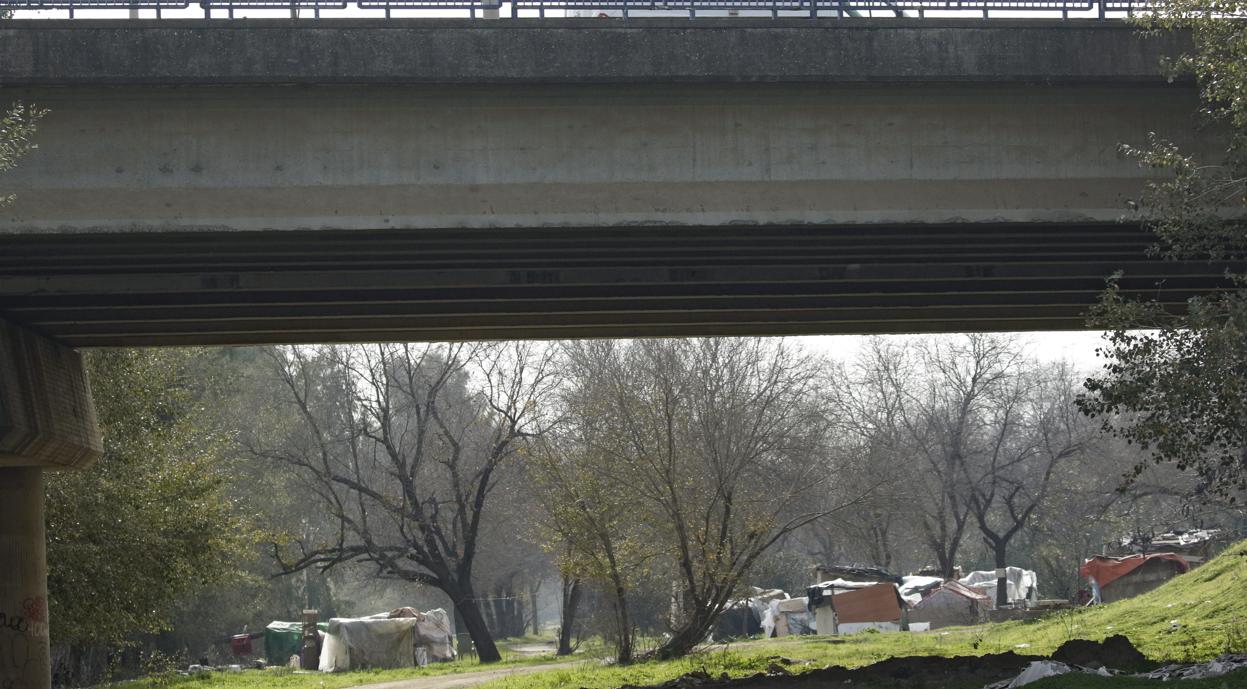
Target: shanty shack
(843,607)
(951,604)
(788,617)
(1118,578)
(1021,585)
(402,638)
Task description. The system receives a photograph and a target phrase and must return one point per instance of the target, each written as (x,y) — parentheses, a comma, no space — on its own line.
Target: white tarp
(788,617)
(436,634)
(1022,584)
(911,588)
(382,641)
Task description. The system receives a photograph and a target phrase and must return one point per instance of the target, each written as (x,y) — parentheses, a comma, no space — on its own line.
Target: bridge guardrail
(624,8)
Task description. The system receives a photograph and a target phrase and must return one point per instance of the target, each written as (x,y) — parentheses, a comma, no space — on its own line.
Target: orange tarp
(878,603)
(1106,570)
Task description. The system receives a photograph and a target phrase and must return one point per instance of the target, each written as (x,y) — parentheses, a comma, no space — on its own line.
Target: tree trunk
(474,622)
(571,600)
(686,638)
(534,590)
(623,623)
(1002,582)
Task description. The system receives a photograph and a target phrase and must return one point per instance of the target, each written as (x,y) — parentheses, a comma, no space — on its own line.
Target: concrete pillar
(25,662)
(47,420)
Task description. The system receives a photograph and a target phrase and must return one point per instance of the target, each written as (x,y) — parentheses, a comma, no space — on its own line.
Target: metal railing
(620,8)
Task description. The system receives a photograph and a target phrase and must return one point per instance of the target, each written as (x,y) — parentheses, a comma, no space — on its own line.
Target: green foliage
(1176,385)
(151,521)
(17,130)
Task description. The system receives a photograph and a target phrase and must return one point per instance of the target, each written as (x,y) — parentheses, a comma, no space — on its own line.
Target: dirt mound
(913,671)
(1114,652)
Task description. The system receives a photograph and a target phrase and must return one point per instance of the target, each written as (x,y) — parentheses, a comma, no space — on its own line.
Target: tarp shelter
(284,639)
(788,617)
(951,603)
(1118,578)
(387,640)
(743,617)
(1022,585)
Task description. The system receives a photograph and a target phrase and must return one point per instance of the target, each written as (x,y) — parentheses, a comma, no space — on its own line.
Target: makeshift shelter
(950,604)
(846,607)
(1118,578)
(284,639)
(788,617)
(401,638)
(1193,545)
(743,617)
(1022,585)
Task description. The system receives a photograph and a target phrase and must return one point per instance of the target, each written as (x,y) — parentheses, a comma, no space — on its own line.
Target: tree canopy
(1176,384)
(152,520)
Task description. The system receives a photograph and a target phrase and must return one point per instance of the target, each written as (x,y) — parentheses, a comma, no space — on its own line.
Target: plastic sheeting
(1022,584)
(788,617)
(912,588)
(385,642)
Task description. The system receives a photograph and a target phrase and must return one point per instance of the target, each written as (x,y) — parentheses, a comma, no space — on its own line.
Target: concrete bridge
(252,181)
(274,181)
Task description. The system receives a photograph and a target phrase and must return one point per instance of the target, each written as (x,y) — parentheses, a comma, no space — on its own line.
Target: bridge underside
(317,286)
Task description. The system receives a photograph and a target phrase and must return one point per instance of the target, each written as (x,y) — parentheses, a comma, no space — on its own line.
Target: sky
(1077,347)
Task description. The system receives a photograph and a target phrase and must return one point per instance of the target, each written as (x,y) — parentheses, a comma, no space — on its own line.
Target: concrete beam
(350,157)
(248,51)
(47,416)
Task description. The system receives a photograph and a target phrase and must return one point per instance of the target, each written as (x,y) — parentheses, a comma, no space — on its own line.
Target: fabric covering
(1105,570)
(1021,584)
(912,588)
(384,642)
(786,617)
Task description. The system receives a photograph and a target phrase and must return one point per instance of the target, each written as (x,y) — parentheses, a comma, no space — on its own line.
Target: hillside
(1197,615)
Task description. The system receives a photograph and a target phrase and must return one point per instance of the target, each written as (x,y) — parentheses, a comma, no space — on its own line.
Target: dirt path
(464,679)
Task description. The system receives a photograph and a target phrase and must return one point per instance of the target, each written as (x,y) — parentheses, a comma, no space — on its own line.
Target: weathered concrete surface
(366,157)
(25,661)
(47,417)
(577,51)
(257,182)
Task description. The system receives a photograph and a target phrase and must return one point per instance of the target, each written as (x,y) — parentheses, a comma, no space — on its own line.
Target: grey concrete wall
(358,157)
(577,51)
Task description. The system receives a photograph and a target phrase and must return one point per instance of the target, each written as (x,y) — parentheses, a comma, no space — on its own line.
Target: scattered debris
(1037,670)
(1213,668)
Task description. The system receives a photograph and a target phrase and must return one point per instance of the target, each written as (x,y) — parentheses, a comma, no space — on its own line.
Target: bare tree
(714,443)
(1029,430)
(403,445)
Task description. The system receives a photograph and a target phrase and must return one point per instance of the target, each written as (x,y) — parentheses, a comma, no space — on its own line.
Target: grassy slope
(1209,605)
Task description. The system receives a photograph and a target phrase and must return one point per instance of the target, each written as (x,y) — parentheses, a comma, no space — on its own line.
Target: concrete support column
(47,420)
(25,662)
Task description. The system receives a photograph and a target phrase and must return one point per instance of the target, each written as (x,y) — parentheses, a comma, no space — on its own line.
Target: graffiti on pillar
(23,642)
(15,656)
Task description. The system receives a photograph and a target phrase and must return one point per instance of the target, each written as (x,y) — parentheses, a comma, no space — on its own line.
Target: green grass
(283,678)
(1209,606)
